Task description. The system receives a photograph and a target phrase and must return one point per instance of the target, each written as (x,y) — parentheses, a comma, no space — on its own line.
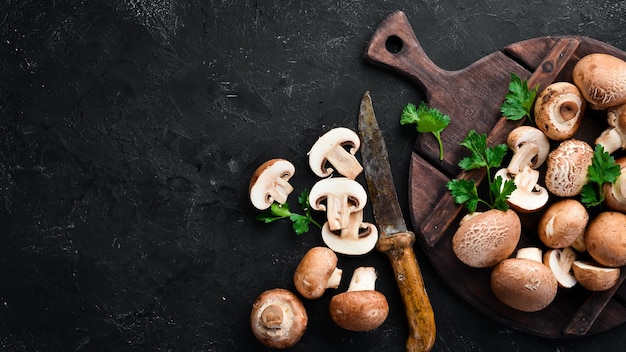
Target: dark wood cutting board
(472,98)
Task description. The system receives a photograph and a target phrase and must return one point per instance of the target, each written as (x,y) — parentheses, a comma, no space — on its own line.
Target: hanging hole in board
(394,44)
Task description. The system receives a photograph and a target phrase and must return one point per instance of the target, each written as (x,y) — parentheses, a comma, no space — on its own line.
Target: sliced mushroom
(601,79)
(559,110)
(595,278)
(530,147)
(278,318)
(524,282)
(567,165)
(337,148)
(563,223)
(614,137)
(270,183)
(560,261)
(361,307)
(605,238)
(316,272)
(528,195)
(485,239)
(338,197)
(615,193)
(357,238)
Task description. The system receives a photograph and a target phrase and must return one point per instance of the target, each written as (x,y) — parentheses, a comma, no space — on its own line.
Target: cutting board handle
(395,45)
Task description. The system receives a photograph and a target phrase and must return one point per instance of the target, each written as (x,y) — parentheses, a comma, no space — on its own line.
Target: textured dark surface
(129,131)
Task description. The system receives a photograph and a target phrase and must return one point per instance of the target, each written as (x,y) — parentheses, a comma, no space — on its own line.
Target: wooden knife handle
(419,312)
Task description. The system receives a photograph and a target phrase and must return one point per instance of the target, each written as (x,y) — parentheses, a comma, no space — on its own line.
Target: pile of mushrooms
(579,246)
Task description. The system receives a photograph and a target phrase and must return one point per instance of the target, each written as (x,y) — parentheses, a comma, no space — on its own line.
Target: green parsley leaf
(519,101)
(502,191)
(281,211)
(464,192)
(603,169)
(427,120)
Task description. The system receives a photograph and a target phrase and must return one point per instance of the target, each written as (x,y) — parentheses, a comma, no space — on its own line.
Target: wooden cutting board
(472,98)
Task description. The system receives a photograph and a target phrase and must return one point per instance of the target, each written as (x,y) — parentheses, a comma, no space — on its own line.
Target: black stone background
(129,131)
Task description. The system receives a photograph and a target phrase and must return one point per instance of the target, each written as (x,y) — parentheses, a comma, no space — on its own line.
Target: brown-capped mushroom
(605,238)
(530,147)
(270,183)
(595,278)
(560,261)
(361,307)
(614,137)
(337,148)
(357,238)
(601,79)
(338,197)
(484,239)
(316,272)
(563,222)
(524,282)
(528,196)
(615,193)
(278,318)
(566,167)
(559,110)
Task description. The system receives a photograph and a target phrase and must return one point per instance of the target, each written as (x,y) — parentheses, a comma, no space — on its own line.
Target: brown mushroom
(278,318)
(615,193)
(361,307)
(562,223)
(524,282)
(357,238)
(614,137)
(601,79)
(337,148)
(566,167)
(559,110)
(316,272)
(605,238)
(484,239)
(338,197)
(595,278)
(269,183)
(560,261)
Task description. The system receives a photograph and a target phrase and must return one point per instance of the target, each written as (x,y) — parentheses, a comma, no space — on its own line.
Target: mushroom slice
(339,197)
(316,272)
(559,110)
(595,278)
(337,148)
(357,239)
(563,223)
(528,196)
(566,168)
(524,282)
(614,137)
(361,307)
(485,239)
(270,183)
(278,318)
(530,147)
(615,193)
(601,79)
(605,238)
(560,261)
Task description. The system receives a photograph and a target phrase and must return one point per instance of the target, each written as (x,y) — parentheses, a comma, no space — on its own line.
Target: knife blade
(394,238)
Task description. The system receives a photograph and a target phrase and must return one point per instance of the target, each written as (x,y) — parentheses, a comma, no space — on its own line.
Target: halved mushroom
(559,110)
(530,147)
(316,272)
(605,238)
(560,261)
(361,307)
(615,193)
(614,137)
(524,282)
(269,183)
(278,318)
(337,148)
(601,79)
(338,197)
(563,223)
(485,239)
(528,195)
(357,239)
(567,165)
(595,278)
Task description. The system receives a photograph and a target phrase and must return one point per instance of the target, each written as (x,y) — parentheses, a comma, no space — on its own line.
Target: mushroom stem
(363,279)
(272,316)
(335,278)
(610,139)
(345,162)
(282,189)
(522,157)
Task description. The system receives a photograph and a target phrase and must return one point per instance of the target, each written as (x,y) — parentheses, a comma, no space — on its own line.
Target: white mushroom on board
(316,272)
(559,110)
(594,277)
(563,222)
(615,193)
(278,318)
(361,307)
(337,148)
(338,197)
(357,238)
(270,183)
(605,238)
(560,261)
(524,282)
(566,167)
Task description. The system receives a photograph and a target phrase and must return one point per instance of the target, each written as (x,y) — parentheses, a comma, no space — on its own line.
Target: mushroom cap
(560,261)
(278,318)
(269,183)
(615,193)
(343,196)
(330,148)
(485,239)
(359,310)
(559,110)
(523,136)
(595,278)
(566,167)
(314,271)
(562,223)
(601,79)
(605,238)
(524,284)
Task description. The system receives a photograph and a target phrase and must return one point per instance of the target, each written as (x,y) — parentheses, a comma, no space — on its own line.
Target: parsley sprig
(427,120)
(603,169)
(519,101)
(281,211)
(465,191)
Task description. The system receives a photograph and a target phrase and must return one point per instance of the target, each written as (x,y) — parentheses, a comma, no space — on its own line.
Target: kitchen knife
(394,238)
